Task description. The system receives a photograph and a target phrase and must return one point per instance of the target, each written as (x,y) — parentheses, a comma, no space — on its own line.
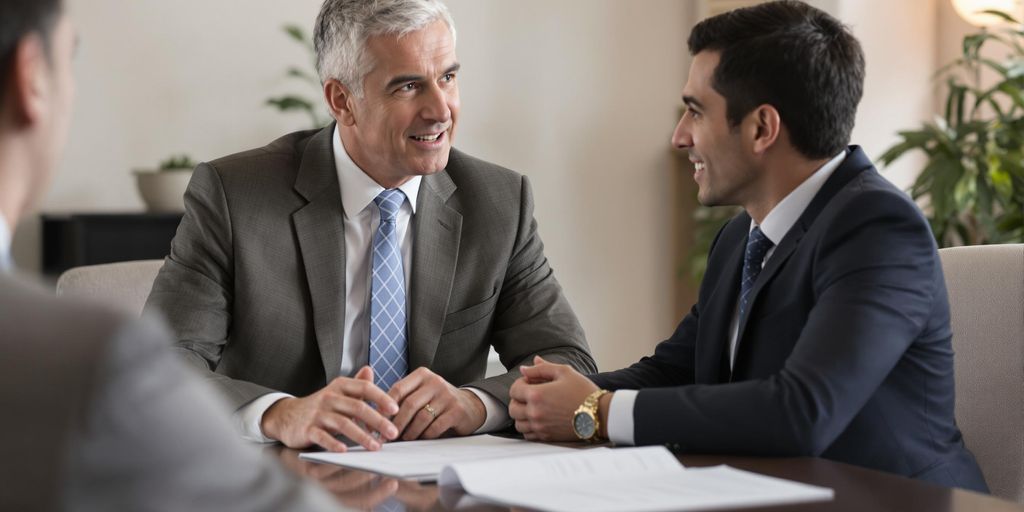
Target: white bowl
(163,191)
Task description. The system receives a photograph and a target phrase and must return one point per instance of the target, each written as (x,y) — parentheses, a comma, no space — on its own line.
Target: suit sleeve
(193,290)
(874,279)
(532,316)
(156,435)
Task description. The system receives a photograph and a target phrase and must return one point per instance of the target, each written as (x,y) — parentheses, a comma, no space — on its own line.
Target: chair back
(124,285)
(986,298)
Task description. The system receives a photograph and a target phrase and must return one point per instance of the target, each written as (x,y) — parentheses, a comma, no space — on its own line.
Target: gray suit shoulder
(35,314)
(484,183)
(281,153)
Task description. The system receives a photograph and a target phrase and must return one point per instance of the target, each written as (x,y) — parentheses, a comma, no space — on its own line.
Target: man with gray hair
(345,281)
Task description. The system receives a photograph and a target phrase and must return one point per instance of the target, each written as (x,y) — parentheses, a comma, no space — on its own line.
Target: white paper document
(423,460)
(624,479)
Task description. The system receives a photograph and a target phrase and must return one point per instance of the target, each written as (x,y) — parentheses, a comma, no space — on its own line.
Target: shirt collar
(5,244)
(358,189)
(781,218)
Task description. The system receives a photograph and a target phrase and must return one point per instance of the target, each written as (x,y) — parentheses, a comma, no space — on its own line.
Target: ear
(765,128)
(28,80)
(340,101)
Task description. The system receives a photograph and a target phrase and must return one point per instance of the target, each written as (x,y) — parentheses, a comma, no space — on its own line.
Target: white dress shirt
(775,226)
(361,219)
(5,245)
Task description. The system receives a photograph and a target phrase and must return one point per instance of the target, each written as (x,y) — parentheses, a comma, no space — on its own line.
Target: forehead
(419,50)
(702,71)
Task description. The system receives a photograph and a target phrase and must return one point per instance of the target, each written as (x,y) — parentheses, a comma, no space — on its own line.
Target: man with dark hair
(368,261)
(822,324)
(98,414)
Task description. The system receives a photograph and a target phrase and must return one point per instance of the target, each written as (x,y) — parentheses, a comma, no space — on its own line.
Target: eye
(692,113)
(448,77)
(409,87)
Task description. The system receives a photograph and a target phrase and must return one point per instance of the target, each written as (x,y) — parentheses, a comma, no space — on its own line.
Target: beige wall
(580,95)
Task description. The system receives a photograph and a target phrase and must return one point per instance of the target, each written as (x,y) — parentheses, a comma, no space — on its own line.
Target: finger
(365,373)
(519,389)
(367,390)
(326,440)
(545,371)
(517,410)
(343,425)
(443,423)
(411,407)
(410,383)
(414,408)
(523,427)
(361,412)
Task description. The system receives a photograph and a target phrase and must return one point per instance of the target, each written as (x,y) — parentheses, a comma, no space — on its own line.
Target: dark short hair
(19,18)
(793,57)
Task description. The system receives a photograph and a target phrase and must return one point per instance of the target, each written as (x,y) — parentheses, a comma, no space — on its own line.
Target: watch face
(583,424)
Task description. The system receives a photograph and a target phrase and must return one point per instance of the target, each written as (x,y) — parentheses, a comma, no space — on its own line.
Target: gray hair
(343,27)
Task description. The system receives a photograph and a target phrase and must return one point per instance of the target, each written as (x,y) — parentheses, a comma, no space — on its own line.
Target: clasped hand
(544,399)
(421,406)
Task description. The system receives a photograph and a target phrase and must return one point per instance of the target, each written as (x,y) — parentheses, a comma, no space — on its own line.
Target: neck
(782,176)
(15,178)
(385,180)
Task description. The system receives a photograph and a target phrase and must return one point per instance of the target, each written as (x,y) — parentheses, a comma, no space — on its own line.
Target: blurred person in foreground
(98,414)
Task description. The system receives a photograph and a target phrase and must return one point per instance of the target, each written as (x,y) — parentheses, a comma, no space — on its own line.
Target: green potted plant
(300,102)
(163,188)
(972,185)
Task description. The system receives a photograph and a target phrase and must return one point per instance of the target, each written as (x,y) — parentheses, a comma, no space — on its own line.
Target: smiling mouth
(699,166)
(429,138)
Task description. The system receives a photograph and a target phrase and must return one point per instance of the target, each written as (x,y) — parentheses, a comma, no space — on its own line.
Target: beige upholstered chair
(122,285)
(986,295)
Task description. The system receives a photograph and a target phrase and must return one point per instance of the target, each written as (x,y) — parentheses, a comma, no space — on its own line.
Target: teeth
(699,166)
(426,138)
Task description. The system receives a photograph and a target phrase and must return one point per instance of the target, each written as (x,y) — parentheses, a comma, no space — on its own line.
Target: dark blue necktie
(757,246)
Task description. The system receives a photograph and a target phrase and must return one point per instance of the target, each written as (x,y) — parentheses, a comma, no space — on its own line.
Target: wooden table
(856,489)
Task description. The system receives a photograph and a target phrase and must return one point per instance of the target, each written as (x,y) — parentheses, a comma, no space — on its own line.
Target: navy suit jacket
(844,351)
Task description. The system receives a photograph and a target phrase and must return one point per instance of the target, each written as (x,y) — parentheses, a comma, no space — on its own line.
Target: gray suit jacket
(100,415)
(254,287)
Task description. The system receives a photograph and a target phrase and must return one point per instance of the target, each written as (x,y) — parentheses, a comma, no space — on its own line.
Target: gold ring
(430,410)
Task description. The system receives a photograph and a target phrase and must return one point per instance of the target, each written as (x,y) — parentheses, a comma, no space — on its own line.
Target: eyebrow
(690,101)
(401,79)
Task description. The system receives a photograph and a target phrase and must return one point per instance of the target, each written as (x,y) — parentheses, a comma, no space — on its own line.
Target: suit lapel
(320,230)
(718,311)
(855,162)
(437,230)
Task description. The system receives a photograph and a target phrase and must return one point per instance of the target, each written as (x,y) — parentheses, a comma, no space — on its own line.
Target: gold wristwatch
(585,422)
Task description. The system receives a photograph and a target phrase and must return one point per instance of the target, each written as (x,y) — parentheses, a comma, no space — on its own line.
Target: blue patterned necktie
(387,296)
(757,246)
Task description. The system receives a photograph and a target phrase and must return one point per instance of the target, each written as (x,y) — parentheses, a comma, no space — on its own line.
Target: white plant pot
(163,191)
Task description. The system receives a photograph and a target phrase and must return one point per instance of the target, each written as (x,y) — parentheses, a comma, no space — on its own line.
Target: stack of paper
(423,460)
(544,477)
(625,479)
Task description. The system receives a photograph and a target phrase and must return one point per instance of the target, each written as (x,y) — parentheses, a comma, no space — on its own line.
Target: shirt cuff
(496,413)
(248,417)
(620,417)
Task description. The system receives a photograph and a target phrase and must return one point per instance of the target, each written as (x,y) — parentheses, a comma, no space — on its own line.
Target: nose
(681,138)
(436,106)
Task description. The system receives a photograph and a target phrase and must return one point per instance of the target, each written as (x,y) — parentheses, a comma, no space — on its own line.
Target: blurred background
(579,95)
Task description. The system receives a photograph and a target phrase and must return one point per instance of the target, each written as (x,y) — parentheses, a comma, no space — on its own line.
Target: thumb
(365,373)
(541,372)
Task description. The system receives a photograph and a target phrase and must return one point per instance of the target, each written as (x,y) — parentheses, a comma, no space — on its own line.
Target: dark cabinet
(75,239)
